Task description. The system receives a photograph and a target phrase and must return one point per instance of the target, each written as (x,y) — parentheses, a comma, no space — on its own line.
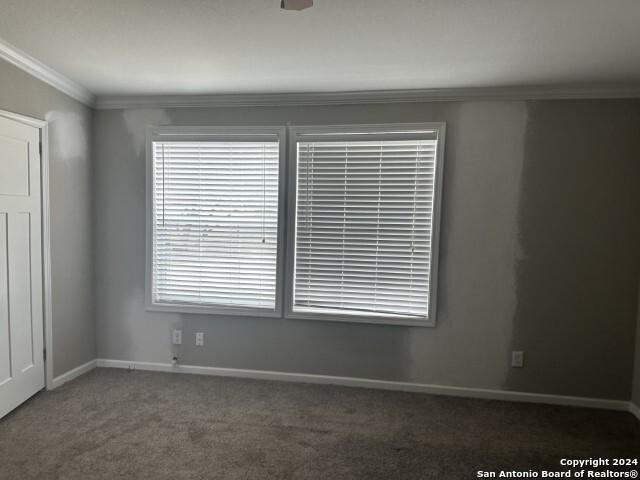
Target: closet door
(21,320)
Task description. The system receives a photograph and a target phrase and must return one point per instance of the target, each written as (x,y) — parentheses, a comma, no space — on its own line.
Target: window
(213,220)
(366,216)
(361,216)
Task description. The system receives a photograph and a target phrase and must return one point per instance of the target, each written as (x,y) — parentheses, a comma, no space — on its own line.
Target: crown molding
(366,97)
(39,70)
(48,75)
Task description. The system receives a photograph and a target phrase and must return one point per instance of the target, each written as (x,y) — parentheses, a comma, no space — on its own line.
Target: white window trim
(397,131)
(287,192)
(156,133)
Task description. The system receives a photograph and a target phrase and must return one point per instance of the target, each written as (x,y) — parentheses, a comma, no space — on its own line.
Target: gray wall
(539,252)
(71,209)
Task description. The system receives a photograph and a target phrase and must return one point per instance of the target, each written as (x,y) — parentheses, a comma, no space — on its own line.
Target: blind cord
(163,189)
(264,190)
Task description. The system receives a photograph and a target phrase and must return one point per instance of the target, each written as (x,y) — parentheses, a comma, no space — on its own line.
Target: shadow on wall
(580,231)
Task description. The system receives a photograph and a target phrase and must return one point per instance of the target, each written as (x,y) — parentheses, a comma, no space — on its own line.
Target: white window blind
(364,224)
(215,223)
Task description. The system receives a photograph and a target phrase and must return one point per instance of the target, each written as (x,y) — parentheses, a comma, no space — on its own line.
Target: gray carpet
(114,424)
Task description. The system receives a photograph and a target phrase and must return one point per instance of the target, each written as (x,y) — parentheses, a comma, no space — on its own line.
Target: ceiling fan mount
(295,4)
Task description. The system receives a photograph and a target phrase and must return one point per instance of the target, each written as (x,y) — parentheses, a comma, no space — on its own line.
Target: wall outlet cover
(517,359)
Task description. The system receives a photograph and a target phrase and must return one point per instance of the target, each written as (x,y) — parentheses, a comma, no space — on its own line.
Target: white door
(21,326)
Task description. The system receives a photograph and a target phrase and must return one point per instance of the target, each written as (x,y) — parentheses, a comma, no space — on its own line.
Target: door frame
(43,126)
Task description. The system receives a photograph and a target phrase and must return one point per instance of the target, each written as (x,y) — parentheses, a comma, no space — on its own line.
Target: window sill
(212,310)
(370,319)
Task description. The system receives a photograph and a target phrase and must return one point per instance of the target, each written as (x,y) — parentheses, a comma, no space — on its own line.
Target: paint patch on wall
(136,122)
(479,248)
(68,136)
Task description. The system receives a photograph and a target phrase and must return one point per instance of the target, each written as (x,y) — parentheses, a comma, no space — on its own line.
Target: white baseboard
(71,374)
(369,383)
(634,409)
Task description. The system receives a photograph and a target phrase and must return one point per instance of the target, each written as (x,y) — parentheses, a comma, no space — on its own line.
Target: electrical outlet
(517,359)
(199,339)
(176,337)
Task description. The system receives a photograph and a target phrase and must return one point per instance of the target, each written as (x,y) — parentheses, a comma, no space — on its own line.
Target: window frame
(239,133)
(377,131)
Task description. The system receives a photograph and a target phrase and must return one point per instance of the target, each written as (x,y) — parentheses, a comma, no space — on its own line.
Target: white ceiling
(119,47)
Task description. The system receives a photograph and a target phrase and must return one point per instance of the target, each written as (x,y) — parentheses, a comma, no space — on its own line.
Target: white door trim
(43,126)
